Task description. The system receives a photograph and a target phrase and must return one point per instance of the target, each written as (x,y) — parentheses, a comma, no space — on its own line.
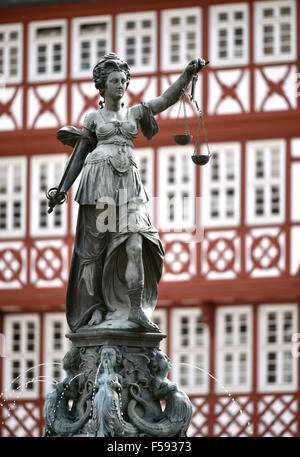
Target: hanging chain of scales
(185,138)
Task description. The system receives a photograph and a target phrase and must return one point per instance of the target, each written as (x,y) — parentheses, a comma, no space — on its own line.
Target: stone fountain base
(95,337)
(116,380)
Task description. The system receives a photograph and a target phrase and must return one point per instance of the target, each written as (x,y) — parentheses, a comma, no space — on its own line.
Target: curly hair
(109,63)
(157,361)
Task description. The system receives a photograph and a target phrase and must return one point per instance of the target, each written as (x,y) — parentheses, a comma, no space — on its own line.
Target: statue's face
(108,355)
(116,85)
(164,363)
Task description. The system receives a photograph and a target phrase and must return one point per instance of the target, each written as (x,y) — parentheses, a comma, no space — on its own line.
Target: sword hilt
(55,197)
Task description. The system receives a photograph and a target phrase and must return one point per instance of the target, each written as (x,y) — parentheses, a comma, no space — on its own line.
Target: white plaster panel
(9,265)
(275,102)
(222,253)
(295,147)
(46,119)
(16,108)
(295,250)
(229,105)
(51,263)
(78,101)
(178,256)
(265,258)
(295,192)
(146,86)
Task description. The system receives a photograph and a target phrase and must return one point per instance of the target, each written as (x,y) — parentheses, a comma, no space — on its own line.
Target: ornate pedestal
(116,380)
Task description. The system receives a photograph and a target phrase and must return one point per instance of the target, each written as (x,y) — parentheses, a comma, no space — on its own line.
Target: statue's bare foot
(138,317)
(96,318)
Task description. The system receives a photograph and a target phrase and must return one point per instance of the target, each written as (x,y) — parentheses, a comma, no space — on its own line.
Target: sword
(67,135)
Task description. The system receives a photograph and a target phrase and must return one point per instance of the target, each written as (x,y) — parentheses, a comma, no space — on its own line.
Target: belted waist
(116,142)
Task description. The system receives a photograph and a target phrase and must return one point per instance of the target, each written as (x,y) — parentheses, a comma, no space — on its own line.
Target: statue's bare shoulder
(136,112)
(90,120)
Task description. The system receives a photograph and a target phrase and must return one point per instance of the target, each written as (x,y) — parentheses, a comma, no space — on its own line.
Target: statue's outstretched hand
(195,65)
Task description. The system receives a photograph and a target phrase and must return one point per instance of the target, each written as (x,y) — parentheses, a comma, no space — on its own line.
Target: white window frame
(264,347)
(221,185)
(21,356)
(6,45)
(235,349)
(166,31)
(37,194)
(33,43)
(50,353)
(190,188)
(76,40)
(214,27)
(122,35)
(161,316)
(190,351)
(252,183)
(10,197)
(258,24)
(148,154)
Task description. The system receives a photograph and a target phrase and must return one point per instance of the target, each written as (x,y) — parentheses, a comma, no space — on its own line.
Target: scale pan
(200,159)
(183,139)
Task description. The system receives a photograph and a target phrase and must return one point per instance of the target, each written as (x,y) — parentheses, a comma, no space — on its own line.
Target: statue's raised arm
(173,93)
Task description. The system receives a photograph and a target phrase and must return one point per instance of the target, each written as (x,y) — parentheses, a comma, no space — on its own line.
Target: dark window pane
(175,20)
(223,16)
(268,12)
(130,25)
(238,15)
(146,24)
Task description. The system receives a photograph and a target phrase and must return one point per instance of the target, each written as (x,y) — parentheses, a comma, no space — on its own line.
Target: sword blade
(68,166)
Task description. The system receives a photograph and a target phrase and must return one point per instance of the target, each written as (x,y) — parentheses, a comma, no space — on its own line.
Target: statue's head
(107,64)
(160,363)
(71,360)
(110,355)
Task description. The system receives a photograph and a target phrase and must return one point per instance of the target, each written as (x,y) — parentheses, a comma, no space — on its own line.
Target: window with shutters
(221,186)
(91,40)
(229,34)
(12,197)
(234,348)
(275,31)
(136,40)
(176,188)
(11,53)
(265,181)
(190,350)
(22,332)
(46,171)
(277,366)
(47,50)
(181,37)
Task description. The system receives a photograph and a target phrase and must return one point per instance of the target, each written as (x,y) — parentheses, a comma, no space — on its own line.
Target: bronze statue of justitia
(114,273)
